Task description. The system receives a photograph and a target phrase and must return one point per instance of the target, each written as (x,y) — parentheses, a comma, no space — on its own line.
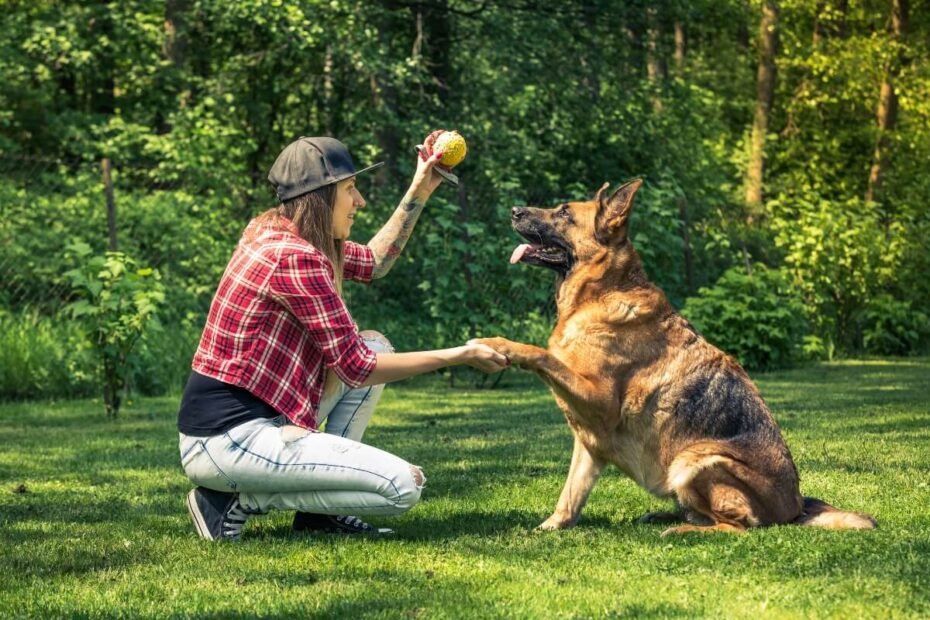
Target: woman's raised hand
(425,180)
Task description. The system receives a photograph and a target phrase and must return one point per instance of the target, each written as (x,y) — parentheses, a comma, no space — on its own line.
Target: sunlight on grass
(92,519)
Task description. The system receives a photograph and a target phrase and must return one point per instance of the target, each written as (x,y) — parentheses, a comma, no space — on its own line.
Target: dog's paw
(555,523)
(501,345)
(661,517)
(704,529)
(521,355)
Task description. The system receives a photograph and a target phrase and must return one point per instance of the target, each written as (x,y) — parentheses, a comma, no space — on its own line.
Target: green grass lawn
(93,523)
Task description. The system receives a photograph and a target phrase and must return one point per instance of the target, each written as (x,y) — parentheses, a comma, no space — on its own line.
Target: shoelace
(353,522)
(234,520)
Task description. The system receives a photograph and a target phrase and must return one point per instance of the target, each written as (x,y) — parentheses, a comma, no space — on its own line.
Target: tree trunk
(200,65)
(686,244)
(384,96)
(175,45)
(435,31)
(820,28)
(174,51)
(590,63)
(681,43)
(765,91)
(655,65)
(329,110)
(842,29)
(103,78)
(463,217)
(111,204)
(887,116)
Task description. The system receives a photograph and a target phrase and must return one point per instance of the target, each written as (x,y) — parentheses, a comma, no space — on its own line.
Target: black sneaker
(331,524)
(216,515)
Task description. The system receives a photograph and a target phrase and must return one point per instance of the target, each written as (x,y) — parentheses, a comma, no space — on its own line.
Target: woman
(280,355)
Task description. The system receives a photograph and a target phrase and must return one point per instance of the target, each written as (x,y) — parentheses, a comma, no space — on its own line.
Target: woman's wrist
(457,355)
(419,192)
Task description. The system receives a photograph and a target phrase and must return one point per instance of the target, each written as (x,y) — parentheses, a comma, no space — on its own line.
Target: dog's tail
(821,514)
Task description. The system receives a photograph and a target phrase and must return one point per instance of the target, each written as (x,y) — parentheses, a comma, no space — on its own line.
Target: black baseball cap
(307,164)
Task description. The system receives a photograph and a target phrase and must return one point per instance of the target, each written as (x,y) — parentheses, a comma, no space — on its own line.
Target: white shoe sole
(202,530)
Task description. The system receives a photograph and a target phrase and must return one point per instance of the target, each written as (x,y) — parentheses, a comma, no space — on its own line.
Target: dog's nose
(517,213)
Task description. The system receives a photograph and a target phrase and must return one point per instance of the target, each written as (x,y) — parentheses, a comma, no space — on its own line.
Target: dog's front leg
(567,384)
(583,473)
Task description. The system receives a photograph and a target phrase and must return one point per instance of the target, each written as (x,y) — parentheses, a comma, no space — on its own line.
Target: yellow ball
(453,148)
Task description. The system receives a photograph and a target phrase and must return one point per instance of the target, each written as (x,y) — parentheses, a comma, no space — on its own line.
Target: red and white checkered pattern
(277,321)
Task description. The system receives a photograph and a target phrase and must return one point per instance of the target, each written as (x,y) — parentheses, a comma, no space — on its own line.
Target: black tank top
(212,407)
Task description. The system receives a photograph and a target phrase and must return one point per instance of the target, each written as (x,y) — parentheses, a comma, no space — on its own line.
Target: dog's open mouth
(545,256)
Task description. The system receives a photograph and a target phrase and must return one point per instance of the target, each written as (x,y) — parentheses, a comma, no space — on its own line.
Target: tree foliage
(193,99)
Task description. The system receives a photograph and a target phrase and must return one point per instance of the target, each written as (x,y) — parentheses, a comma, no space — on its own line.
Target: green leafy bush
(114,302)
(892,327)
(757,318)
(858,274)
(839,258)
(43,357)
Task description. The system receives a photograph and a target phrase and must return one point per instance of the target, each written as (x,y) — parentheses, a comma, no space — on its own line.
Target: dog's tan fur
(641,389)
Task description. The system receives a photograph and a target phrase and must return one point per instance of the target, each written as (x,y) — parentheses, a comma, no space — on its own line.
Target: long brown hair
(312,214)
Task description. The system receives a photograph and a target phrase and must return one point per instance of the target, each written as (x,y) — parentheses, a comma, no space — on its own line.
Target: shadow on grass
(910,425)
(451,527)
(67,556)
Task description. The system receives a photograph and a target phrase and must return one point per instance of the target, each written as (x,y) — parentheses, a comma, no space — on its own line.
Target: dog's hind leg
(710,482)
(716,503)
(583,473)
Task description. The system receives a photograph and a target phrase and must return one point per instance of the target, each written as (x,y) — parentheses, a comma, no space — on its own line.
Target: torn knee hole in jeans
(419,479)
(372,337)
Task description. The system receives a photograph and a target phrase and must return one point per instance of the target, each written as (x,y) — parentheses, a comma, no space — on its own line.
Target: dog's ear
(599,196)
(613,212)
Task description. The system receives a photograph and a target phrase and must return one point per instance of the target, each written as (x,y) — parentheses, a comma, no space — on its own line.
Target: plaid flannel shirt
(277,321)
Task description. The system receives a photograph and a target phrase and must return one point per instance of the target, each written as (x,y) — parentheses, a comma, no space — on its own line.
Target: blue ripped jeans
(274,465)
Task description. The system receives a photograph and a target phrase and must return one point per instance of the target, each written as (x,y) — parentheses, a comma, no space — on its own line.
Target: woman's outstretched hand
(483,357)
(397,366)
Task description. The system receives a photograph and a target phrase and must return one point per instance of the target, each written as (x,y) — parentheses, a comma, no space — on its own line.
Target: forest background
(784,145)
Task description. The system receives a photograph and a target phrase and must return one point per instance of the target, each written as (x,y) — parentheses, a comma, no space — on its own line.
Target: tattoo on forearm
(388,243)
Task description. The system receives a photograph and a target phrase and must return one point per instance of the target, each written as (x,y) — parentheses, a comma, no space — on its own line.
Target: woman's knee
(409,488)
(376,341)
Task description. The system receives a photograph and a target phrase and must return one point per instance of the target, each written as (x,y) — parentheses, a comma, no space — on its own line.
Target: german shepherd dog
(643,390)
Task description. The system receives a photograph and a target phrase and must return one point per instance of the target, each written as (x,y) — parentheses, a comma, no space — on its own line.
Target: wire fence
(184,225)
(48,203)
(22,177)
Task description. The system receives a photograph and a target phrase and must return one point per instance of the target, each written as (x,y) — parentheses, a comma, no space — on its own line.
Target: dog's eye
(565,213)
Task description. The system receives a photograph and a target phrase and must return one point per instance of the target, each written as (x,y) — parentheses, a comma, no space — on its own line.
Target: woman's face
(348,201)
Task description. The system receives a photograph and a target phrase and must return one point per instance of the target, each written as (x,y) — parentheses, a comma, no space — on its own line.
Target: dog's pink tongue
(518,253)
